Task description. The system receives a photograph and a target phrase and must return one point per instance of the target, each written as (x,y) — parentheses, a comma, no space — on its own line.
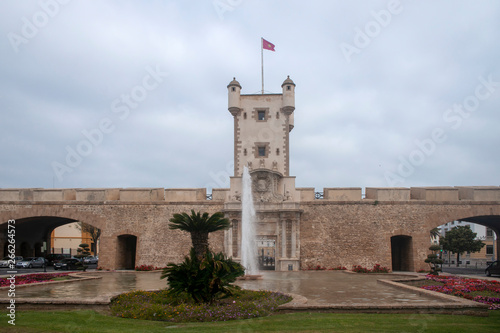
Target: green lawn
(90,321)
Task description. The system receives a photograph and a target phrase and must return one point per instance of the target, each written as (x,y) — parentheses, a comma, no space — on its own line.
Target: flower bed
(32,278)
(323,268)
(376,269)
(161,305)
(143,268)
(482,291)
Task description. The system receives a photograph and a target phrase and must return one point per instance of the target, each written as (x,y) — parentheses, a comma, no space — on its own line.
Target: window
(261,115)
(233,88)
(277,115)
(244,115)
(277,151)
(489,249)
(260,150)
(287,87)
(245,152)
(489,232)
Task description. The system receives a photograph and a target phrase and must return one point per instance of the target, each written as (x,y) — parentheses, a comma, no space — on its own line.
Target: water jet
(248,242)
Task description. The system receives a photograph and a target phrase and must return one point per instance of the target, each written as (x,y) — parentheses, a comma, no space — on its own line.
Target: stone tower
(262,125)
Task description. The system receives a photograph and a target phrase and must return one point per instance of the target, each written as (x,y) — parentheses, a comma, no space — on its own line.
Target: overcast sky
(133,93)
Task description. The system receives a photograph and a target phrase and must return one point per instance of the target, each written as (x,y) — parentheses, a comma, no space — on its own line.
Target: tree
(203,275)
(95,233)
(83,251)
(461,239)
(203,280)
(433,259)
(434,233)
(199,226)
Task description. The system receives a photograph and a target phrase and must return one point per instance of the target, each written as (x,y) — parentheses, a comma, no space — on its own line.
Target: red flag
(268,46)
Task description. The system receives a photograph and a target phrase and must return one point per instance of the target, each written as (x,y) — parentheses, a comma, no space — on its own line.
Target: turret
(289,100)
(234,103)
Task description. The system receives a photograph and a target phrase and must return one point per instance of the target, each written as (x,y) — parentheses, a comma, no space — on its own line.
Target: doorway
(402,253)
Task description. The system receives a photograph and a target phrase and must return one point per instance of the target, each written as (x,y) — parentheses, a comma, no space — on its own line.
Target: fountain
(248,244)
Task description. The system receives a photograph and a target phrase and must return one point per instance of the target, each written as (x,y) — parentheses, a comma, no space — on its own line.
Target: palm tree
(435,233)
(199,226)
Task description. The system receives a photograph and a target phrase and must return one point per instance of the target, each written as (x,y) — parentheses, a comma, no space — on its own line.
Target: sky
(115,94)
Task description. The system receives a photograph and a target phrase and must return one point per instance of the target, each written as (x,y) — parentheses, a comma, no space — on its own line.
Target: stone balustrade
(351,194)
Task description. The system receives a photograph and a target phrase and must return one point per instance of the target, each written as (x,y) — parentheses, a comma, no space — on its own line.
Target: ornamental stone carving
(265,186)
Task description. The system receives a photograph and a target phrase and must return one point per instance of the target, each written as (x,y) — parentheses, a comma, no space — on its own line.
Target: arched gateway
(296,227)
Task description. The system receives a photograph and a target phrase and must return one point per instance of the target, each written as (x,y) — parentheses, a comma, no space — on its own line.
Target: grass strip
(90,321)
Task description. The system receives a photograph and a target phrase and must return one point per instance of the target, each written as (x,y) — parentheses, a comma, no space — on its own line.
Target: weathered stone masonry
(324,232)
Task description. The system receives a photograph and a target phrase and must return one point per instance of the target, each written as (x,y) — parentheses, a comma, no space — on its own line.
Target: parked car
(67,263)
(90,260)
(493,268)
(31,262)
(56,257)
(4,263)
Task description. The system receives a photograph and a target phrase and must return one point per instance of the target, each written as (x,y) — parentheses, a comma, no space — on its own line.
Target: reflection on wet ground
(110,284)
(335,287)
(324,287)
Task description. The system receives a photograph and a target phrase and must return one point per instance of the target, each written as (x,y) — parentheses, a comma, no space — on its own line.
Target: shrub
(310,267)
(359,269)
(338,268)
(145,268)
(379,269)
(433,260)
(376,269)
(314,268)
(203,280)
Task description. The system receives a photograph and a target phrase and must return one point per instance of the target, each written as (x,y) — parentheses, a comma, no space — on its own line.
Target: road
(479,272)
(49,269)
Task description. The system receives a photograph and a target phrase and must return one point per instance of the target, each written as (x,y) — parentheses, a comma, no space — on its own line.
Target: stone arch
(34,224)
(465,212)
(402,253)
(486,215)
(53,211)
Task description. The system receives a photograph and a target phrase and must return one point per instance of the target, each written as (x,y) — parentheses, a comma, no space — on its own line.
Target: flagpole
(262,61)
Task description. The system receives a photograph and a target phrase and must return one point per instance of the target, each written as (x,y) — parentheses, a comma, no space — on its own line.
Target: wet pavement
(109,285)
(319,287)
(336,287)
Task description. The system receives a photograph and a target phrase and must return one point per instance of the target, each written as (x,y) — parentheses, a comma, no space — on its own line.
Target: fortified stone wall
(143,213)
(341,229)
(359,233)
(156,243)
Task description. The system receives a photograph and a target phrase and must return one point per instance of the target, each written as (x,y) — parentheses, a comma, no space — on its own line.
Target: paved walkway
(315,291)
